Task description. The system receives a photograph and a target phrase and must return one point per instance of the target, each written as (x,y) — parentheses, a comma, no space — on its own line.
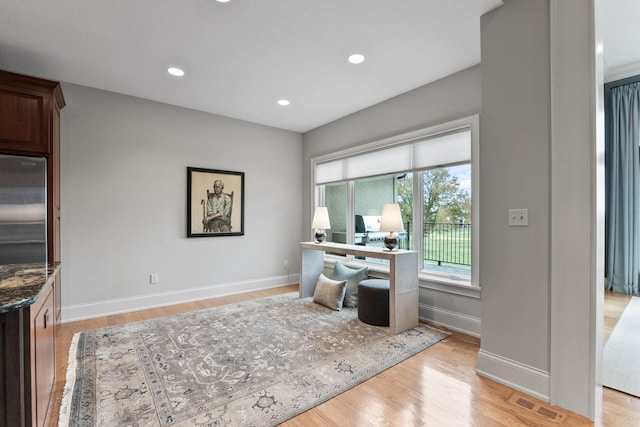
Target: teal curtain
(623,190)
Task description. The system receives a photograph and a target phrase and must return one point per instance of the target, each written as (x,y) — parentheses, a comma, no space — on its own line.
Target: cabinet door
(24,120)
(11,370)
(57,297)
(44,356)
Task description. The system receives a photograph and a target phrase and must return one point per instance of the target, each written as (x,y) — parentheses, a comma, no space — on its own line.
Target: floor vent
(548,413)
(525,403)
(538,409)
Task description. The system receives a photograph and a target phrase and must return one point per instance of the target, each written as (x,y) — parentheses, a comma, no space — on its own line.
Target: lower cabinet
(43,357)
(11,370)
(28,362)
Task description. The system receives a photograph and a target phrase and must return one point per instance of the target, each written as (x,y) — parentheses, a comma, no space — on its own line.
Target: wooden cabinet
(28,107)
(12,412)
(23,124)
(28,360)
(30,125)
(42,352)
(57,302)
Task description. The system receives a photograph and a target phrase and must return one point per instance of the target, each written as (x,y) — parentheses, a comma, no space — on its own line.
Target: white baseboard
(532,381)
(459,322)
(124,305)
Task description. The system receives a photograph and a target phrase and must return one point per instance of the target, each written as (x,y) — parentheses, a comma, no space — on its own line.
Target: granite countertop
(20,284)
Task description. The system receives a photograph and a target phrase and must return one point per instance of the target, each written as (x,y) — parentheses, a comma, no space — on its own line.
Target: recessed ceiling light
(356,58)
(283,102)
(175,71)
(222,1)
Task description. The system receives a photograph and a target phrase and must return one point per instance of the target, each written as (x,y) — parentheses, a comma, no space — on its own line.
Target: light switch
(518,217)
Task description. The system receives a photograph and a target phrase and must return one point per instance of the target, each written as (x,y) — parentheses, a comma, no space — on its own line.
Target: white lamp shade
(321,218)
(391,218)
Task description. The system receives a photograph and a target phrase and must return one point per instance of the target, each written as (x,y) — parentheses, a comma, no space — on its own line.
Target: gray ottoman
(373,302)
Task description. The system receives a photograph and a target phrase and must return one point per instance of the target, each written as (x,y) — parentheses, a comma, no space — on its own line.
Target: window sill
(450,285)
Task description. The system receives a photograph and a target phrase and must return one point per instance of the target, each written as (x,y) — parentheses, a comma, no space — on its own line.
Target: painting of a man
(217,211)
(218,218)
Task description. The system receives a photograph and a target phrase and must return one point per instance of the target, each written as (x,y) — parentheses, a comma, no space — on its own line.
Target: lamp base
(391,241)
(320,236)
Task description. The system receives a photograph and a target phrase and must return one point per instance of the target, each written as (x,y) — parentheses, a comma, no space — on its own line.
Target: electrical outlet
(153,278)
(285,263)
(519,217)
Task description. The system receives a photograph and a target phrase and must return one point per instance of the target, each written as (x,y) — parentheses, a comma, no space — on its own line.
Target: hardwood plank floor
(437,387)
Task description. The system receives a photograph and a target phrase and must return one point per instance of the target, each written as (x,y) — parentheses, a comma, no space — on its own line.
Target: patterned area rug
(256,363)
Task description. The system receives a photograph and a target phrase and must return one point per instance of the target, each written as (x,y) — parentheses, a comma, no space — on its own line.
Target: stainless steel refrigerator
(23,209)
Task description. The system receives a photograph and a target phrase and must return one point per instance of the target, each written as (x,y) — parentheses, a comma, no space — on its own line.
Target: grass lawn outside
(448,246)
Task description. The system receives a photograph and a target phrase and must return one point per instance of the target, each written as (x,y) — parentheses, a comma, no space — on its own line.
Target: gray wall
(123,198)
(577,207)
(514,167)
(539,283)
(123,186)
(541,149)
(451,98)
(448,99)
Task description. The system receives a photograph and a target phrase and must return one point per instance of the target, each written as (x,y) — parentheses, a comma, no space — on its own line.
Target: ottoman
(373,302)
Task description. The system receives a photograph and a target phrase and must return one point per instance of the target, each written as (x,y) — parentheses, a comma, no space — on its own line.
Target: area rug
(256,363)
(620,367)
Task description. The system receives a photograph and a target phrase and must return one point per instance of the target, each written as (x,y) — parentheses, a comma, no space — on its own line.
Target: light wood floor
(437,387)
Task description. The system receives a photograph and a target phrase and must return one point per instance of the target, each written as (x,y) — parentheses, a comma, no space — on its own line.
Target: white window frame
(443,282)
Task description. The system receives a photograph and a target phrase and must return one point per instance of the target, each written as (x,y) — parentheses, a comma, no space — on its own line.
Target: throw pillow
(353,276)
(330,293)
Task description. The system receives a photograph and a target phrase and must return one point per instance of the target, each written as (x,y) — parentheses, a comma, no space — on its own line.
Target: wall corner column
(576,207)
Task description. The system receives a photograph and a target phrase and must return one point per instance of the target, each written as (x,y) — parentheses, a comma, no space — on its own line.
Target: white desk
(403,277)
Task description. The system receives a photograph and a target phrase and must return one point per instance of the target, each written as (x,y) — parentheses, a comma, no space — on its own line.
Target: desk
(403,277)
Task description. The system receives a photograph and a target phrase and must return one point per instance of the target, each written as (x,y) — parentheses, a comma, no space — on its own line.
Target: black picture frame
(223,206)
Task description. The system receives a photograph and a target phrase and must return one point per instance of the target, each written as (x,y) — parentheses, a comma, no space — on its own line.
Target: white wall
(123,186)
(448,99)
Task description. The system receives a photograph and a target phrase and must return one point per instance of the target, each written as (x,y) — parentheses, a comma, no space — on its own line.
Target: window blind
(425,153)
(330,171)
(380,162)
(442,150)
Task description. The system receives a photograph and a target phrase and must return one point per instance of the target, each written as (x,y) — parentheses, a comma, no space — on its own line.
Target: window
(370,194)
(333,196)
(431,174)
(447,220)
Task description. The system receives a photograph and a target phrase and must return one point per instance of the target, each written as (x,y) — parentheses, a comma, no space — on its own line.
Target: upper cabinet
(29,114)
(30,125)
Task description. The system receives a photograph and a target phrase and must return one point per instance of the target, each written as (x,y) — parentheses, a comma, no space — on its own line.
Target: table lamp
(320,223)
(391,221)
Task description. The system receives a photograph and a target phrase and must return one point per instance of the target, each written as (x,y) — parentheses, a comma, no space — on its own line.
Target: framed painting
(215,203)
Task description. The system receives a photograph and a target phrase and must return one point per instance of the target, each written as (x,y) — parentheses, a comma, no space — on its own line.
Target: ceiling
(241,57)
(621,38)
